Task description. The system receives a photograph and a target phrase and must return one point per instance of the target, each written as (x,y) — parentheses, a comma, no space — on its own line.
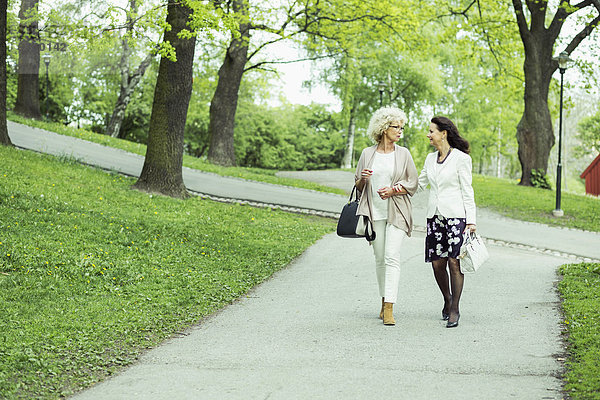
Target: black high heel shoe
(446,315)
(453,324)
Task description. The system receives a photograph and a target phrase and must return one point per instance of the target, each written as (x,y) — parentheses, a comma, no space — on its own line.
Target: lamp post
(563,59)
(47,58)
(381,87)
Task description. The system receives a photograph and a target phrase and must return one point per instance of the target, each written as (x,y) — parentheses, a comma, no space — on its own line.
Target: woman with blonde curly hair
(386,178)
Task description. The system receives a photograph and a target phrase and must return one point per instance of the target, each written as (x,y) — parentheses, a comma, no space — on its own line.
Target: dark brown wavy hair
(454,138)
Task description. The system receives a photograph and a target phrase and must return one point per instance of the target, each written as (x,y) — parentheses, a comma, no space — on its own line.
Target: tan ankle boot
(381,312)
(388,314)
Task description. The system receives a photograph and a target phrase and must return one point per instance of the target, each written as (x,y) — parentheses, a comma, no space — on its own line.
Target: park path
(312,332)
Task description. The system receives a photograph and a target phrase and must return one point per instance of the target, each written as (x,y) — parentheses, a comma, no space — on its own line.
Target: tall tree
(347,77)
(349,150)
(293,19)
(4,138)
(108,50)
(162,171)
(129,79)
(379,46)
(534,132)
(28,97)
(378,67)
(224,103)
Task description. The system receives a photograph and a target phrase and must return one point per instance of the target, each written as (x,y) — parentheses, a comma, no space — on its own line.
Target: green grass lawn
(536,205)
(580,290)
(93,272)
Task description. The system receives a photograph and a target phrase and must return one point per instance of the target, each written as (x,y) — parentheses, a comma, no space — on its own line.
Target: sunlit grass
(536,205)
(580,290)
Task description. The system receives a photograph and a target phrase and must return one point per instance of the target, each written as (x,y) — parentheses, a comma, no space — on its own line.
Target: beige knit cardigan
(405,174)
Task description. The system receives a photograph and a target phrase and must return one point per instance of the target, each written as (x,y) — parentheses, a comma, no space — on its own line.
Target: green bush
(539,179)
(288,137)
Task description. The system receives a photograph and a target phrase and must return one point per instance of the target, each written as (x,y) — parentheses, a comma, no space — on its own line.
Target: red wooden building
(592,177)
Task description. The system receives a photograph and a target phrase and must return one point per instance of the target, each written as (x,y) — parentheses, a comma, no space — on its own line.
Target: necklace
(446,156)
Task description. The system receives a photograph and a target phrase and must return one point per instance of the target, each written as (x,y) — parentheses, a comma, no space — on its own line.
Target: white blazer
(451,191)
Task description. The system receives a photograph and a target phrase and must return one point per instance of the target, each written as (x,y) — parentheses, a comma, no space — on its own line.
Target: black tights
(451,288)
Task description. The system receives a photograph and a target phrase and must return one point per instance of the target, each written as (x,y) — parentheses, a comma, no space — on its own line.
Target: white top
(383,169)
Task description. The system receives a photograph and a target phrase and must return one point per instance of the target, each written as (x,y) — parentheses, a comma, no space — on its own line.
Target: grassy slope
(92,272)
(532,204)
(580,289)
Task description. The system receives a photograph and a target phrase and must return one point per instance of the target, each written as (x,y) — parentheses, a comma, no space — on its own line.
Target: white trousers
(387,249)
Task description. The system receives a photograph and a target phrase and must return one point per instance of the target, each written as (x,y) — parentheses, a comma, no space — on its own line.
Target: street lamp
(381,87)
(47,57)
(563,60)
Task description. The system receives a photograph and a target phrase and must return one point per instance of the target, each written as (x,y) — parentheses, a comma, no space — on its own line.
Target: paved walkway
(312,332)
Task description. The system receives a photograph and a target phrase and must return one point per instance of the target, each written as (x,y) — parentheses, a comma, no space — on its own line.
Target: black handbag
(351,225)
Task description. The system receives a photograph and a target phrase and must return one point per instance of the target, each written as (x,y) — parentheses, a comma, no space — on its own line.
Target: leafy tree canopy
(589,134)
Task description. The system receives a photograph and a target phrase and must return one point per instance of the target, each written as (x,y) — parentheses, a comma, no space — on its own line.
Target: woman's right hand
(366,174)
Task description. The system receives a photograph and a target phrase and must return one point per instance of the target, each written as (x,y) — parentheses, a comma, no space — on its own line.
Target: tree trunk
(4,138)
(347,161)
(535,135)
(162,171)
(498,152)
(128,81)
(224,103)
(28,86)
(127,88)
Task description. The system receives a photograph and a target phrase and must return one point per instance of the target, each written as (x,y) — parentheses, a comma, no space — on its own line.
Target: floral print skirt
(444,237)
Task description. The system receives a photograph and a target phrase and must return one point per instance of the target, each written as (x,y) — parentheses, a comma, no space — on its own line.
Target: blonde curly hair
(382,119)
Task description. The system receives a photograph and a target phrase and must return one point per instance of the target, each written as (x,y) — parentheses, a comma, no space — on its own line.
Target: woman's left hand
(471,227)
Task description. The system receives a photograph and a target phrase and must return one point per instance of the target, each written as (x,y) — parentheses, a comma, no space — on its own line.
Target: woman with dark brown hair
(450,210)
